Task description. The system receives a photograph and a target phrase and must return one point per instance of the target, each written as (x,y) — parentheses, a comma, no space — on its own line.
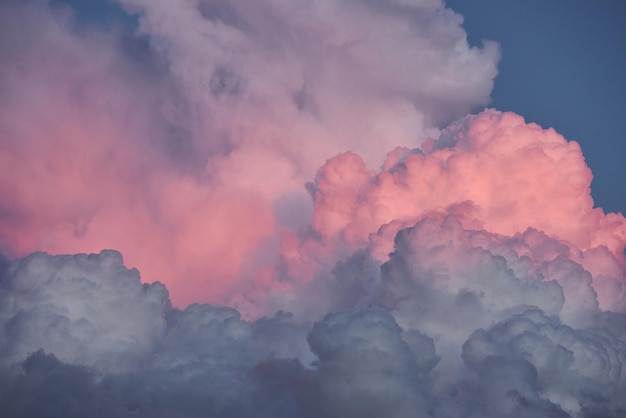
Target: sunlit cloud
(289,208)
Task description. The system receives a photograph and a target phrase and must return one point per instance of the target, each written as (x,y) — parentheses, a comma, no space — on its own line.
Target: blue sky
(563,66)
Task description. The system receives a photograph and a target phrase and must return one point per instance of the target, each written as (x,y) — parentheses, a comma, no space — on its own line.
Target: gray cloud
(459,330)
(87,309)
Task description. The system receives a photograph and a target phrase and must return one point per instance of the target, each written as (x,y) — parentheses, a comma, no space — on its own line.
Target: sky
(296,208)
(562,65)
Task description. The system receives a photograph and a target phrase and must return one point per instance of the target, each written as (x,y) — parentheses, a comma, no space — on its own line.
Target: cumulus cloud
(78,307)
(460,318)
(492,172)
(577,369)
(458,330)
(366,368)
(182,133)
(236,152)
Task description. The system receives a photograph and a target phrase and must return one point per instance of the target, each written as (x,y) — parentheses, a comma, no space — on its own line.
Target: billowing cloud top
(185,142)
(234,152)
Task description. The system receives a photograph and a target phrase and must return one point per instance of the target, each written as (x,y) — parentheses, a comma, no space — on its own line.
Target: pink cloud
(493,172)
(284,157)
(186,145)
(503,174)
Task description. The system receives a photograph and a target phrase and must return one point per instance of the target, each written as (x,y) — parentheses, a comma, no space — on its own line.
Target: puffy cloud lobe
(566,363)
(440,272)
(78,307)
(607,270)
(570,367)
(434,262)
(447,281)
(155,360)
(366,368)
(181,133)
(430,347)
(493,172)
(95,340)
(503,387)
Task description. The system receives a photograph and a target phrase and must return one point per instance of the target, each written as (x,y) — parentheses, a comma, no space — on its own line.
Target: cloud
(458,331)
(78,308)
(235,151)
(492,168)
(493,173)
(181,133)
(577,369)
(504,387)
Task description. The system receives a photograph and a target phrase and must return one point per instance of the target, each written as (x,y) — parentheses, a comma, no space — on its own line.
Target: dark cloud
(82,336)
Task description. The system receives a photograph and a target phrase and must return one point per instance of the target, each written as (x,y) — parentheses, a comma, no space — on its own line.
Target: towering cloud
(283,162)
(184,141)
(492,173)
